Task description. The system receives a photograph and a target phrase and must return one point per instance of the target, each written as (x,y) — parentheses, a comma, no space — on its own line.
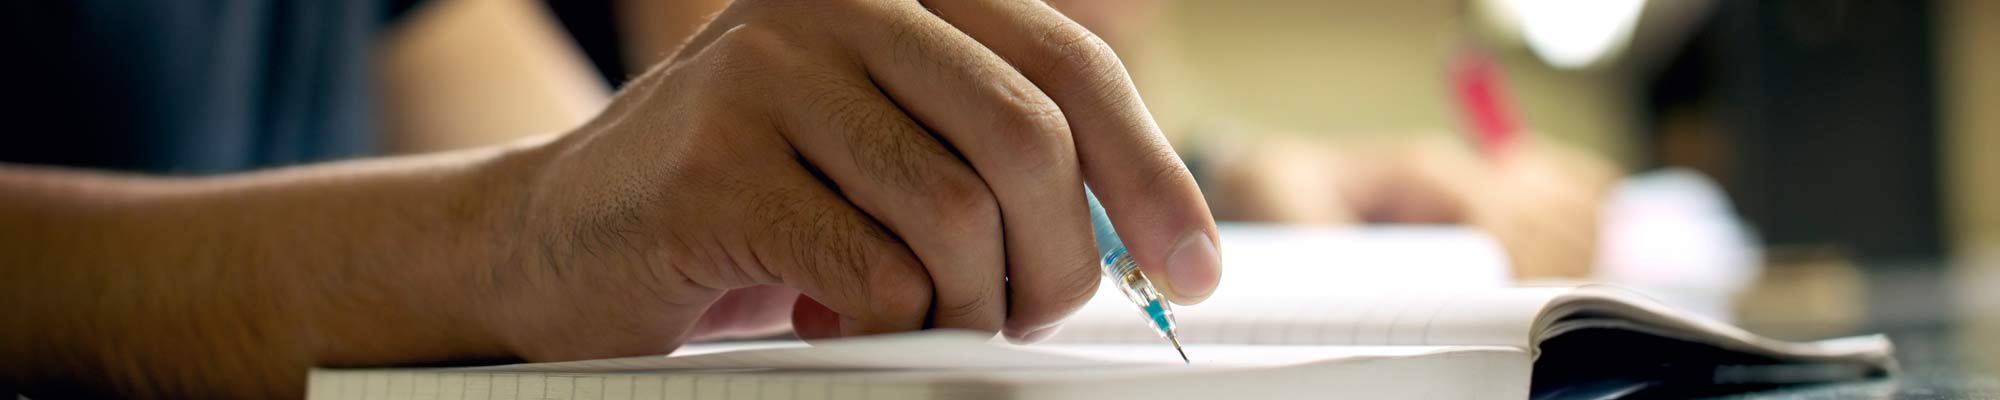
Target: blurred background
(1842,129)
(1826,166)
(1845,137)
(1855,138)
(1853,126)
(1823,165)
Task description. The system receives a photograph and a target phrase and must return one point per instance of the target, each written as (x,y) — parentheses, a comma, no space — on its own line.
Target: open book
(1499,343)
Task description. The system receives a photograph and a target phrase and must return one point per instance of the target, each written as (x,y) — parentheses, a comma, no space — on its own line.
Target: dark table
(1934,365)
(1946,329)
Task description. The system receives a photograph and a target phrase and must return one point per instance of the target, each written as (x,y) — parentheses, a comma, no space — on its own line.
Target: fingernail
(1193,268)
(1038,336)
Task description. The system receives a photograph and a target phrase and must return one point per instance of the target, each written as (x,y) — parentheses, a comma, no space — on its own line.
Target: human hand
(904,165)
(1540,200)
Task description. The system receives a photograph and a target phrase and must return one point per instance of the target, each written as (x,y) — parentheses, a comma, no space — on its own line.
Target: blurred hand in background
(1540,200)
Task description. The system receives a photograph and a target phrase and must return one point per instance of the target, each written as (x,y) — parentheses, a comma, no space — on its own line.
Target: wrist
(448,243)
(500,190)
(504,265)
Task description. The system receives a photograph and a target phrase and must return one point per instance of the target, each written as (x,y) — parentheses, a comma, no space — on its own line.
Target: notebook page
(925,349)
(1465,372)
(1477,317)
(1327,285)
(1239,356)
(1476,369)
(945,350)
(1289,258)
(1637,313)
(474,385)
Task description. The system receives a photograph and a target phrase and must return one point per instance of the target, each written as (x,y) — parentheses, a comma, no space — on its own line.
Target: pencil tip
(1178,349)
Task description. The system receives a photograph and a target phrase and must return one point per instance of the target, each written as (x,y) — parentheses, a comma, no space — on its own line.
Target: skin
(1539,200)
(1540,204)
(881,165)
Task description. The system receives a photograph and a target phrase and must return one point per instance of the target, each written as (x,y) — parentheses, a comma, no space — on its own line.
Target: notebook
(1585,341)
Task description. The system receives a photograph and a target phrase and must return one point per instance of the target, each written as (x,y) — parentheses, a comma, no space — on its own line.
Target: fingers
(1014,137)
(891,168)
(812,320)
(808,238)
(754,311)
(1145,189)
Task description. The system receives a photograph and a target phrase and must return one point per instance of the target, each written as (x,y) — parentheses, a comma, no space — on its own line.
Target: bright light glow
(1576,33)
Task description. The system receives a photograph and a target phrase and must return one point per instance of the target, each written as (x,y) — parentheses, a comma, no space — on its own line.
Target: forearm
(239,283)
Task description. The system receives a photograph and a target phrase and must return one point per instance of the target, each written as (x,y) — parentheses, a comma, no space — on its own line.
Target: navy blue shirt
(196,87)
(186,86)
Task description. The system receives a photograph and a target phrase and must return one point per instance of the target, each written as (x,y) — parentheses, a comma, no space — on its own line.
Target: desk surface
(1933,368)
(1946,330)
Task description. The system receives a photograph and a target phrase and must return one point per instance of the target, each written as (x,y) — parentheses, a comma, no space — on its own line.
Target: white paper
(949,350)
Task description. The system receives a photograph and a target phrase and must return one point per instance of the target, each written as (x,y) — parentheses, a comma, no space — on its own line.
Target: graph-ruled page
(942,350)
(1401,285)
(1467,317)
(1129,366)
(474,385)
(938,349)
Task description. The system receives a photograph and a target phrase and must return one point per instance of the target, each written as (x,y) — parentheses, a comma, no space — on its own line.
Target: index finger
(1146,190)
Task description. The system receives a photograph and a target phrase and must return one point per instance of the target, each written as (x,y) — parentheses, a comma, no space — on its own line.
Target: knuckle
(965,209)
(1073,49)
(899,288)
(1056,300)
(751,51)
(1076,285)
(1163,172)
(1057,291)
(1034,134)
(968,308)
